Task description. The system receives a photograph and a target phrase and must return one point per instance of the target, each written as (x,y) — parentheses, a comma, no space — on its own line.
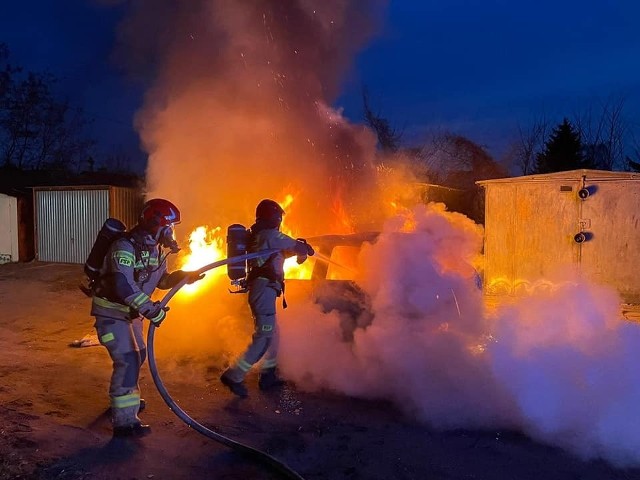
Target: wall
(531,224)
(69,218)
(9,229)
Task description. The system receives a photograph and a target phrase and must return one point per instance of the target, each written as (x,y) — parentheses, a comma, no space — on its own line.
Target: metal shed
(67,219)
(536,224)
(9,230)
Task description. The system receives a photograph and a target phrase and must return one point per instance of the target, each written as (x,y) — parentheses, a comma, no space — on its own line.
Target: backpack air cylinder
(237,238)
(111,229)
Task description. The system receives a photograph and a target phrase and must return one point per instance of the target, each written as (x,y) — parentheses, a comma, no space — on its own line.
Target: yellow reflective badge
(125,261)
(107,337)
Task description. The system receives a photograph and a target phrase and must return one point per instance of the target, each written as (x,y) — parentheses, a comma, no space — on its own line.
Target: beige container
(538,225)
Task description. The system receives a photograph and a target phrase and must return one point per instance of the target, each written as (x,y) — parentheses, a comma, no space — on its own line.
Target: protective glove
(155,313)
(193,277)
(303,248)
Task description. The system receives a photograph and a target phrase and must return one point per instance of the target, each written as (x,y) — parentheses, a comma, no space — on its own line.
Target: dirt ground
(54,423)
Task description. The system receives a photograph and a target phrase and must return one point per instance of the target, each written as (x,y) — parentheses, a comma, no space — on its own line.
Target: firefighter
(265,282)
(134,266)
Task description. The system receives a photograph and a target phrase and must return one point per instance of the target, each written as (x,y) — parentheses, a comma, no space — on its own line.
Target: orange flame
(342,223)
(208,245)
(291,267)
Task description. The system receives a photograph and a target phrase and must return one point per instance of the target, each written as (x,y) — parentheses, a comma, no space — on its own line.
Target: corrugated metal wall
(67,222)
(68,219)
(125,205)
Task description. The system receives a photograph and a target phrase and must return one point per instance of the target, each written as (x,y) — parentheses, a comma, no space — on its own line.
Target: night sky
(480,69)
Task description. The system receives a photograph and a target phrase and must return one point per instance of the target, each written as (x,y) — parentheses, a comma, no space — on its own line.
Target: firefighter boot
(237,387)
(269,379)
(127,424)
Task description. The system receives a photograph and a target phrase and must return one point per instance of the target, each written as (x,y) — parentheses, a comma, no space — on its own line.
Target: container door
(610,219)
(9,232)
(529,235)
(67,222)
(543,247)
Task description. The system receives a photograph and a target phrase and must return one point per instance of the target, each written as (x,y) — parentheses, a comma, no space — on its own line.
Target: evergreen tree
(563,151)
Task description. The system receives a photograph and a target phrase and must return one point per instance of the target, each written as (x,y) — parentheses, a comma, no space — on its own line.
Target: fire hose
(241,448)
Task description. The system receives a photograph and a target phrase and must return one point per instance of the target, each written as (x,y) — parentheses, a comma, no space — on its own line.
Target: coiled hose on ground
(246,450)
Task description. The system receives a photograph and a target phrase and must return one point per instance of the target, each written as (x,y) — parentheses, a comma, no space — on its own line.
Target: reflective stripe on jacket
(128,278)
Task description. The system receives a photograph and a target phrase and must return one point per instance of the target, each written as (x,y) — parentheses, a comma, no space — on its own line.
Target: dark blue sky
(483,67)
(74,39)
(478,68)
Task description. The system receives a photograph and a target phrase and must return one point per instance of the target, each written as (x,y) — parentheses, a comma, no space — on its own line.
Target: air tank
(237,240)
(111,230)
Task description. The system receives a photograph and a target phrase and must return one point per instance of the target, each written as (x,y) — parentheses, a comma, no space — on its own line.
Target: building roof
(78,187)
(569,175)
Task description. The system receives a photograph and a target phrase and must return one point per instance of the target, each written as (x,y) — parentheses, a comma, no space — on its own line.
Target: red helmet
(158,213)
(269,210)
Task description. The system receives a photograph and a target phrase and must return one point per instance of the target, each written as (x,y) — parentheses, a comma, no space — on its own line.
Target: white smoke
(559,365)
(568,362)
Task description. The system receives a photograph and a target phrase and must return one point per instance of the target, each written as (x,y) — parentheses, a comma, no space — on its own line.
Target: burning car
(328,278)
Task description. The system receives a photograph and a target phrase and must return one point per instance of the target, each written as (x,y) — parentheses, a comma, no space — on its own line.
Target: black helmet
(269,211)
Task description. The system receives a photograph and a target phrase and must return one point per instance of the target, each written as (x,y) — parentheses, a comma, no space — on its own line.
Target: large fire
(208,245)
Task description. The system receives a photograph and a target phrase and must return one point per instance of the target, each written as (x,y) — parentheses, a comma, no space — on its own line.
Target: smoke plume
(559,364)
(239,105)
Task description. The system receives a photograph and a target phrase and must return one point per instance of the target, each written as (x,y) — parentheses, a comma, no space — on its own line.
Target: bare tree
(37,129)
(604,133)
(388,137)
(603,129)
(632,161)
(458,162)
(530,143)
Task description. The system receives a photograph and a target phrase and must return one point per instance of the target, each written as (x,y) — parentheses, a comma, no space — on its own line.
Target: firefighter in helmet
(265,282)
(134,266)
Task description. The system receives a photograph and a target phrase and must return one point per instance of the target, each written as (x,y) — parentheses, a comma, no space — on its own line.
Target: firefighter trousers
(265,340)
(124,340)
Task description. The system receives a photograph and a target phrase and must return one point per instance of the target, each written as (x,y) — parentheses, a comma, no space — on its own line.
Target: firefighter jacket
(272,267)
(132,270)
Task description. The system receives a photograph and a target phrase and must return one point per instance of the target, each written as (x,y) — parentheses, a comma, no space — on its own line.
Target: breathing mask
(166,239)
